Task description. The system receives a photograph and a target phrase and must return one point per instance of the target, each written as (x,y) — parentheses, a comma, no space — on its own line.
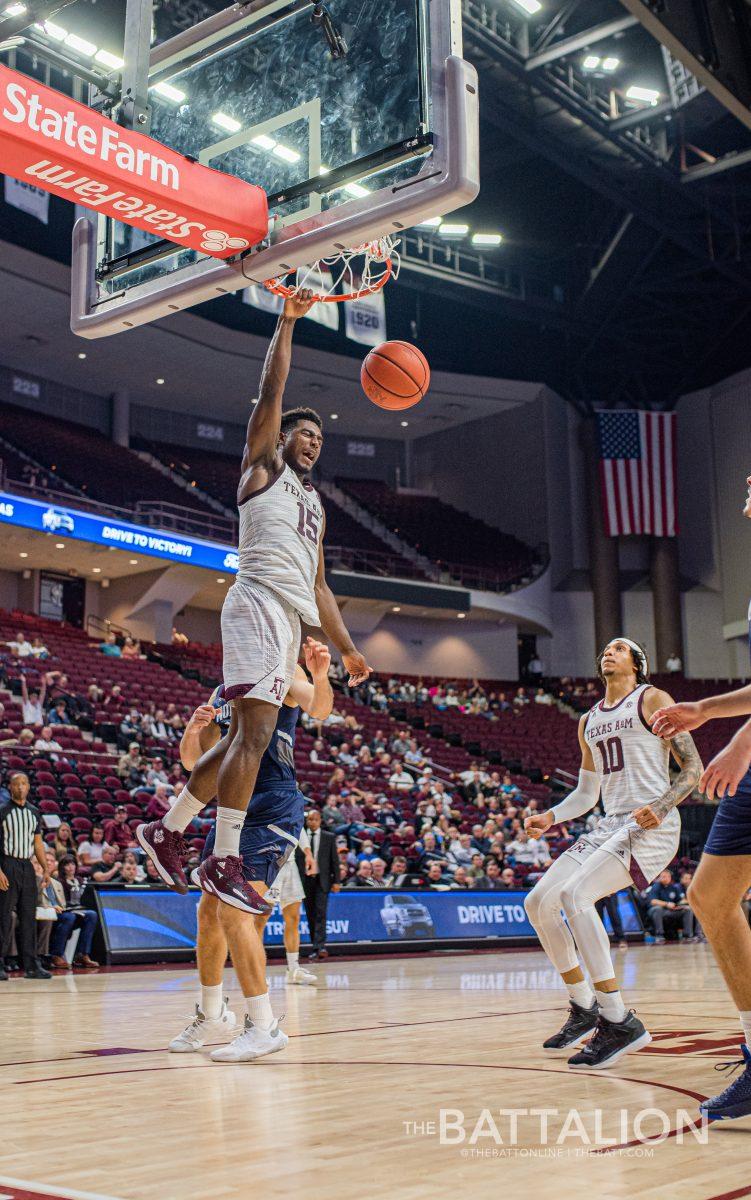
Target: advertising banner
(66,148)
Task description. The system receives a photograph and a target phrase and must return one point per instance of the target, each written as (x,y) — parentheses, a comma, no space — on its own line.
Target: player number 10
(611,752)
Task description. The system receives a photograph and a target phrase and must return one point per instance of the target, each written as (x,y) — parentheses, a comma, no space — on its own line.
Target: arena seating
(353,546)
(77,455)
(80,783)
(472,552)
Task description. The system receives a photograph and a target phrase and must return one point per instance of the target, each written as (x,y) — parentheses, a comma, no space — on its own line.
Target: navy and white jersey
(277,767)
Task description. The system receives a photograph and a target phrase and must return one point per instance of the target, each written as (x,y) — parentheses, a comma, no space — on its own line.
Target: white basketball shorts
(643,852)
(287,887)
(260,644)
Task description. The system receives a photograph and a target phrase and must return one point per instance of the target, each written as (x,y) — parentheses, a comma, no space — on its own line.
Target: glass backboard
(357,124)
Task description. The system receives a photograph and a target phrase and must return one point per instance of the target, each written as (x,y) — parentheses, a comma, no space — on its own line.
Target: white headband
(636,648)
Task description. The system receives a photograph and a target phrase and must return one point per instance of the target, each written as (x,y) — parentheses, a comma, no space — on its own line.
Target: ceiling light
(461,616)
(15,10)
(395,608)
(356,189)
(530,6)
(611,63)
(169,92)
(23,554)
(133,562)
(224,122)
(59,545)
(404,424)
(487,239)
(643,94)
(591,62)
(430,223)
(160,381)
(80,44)
(264,141)
(109,60)
(221,579)
(96,570)
(453,231)
(56,32)
(82,354)
(324,170)
(284,152)
(334,416)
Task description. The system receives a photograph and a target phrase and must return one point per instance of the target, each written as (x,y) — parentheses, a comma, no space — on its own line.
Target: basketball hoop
(380,262)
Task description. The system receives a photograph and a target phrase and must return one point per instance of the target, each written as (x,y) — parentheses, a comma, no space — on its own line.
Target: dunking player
(281,580)
(272,827)
(724,874)
(632,843)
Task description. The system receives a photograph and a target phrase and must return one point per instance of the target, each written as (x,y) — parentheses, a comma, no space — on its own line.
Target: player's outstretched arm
(671,718)
(727,768)
(261,444)
(335,629)
(582,800)
(685,754)
(316,698)
(200,734)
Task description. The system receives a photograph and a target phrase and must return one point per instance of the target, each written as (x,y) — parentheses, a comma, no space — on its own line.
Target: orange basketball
(395,375)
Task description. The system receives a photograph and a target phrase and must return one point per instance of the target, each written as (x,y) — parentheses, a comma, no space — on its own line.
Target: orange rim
(280,288)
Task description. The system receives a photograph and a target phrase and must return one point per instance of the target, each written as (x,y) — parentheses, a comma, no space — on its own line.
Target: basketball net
(361,272)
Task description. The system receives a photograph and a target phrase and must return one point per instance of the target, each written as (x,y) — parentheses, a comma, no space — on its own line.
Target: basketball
(395,375)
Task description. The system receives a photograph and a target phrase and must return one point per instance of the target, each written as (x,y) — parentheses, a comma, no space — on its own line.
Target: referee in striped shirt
(20,837)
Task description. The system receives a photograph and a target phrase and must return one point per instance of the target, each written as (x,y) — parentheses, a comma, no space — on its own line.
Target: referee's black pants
(21,898)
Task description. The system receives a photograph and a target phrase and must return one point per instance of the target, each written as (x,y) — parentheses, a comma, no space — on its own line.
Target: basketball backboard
(359,122)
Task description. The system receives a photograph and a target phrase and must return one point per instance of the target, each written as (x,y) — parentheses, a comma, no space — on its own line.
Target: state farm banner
(66,148)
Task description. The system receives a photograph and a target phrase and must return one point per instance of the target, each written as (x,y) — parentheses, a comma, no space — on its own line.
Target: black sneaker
(581,1022)
(611,1040)
(3,972)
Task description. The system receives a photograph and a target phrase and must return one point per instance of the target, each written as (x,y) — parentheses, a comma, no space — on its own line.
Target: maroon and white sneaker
(225,878)
(166,849)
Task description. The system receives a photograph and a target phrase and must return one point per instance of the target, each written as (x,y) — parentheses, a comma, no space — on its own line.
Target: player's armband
(583,798)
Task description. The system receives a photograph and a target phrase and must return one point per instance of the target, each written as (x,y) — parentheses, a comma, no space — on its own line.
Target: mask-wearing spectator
(363,876)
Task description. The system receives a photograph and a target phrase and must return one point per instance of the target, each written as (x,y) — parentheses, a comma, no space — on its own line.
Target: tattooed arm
(685,754)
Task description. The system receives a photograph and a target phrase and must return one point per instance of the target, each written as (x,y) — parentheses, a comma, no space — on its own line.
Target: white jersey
(631,763)
(280,538)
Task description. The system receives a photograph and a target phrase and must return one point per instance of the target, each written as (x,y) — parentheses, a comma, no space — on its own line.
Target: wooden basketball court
(93,1104)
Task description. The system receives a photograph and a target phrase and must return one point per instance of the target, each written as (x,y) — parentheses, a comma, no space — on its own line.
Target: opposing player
(272,827)
(638,836)
(724,873)
(287,891)
(280,581)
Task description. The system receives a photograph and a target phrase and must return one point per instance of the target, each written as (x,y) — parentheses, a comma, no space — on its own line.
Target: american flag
(638,472)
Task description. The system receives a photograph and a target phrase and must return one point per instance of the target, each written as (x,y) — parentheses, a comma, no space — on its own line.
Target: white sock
(185,808)
(581,993)
(293,959)
(211,1001)
(229,823)
(611,1005)
(746,1027)
(259,1010)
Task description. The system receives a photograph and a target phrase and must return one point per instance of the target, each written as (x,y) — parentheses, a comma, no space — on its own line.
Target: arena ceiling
(626,224)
